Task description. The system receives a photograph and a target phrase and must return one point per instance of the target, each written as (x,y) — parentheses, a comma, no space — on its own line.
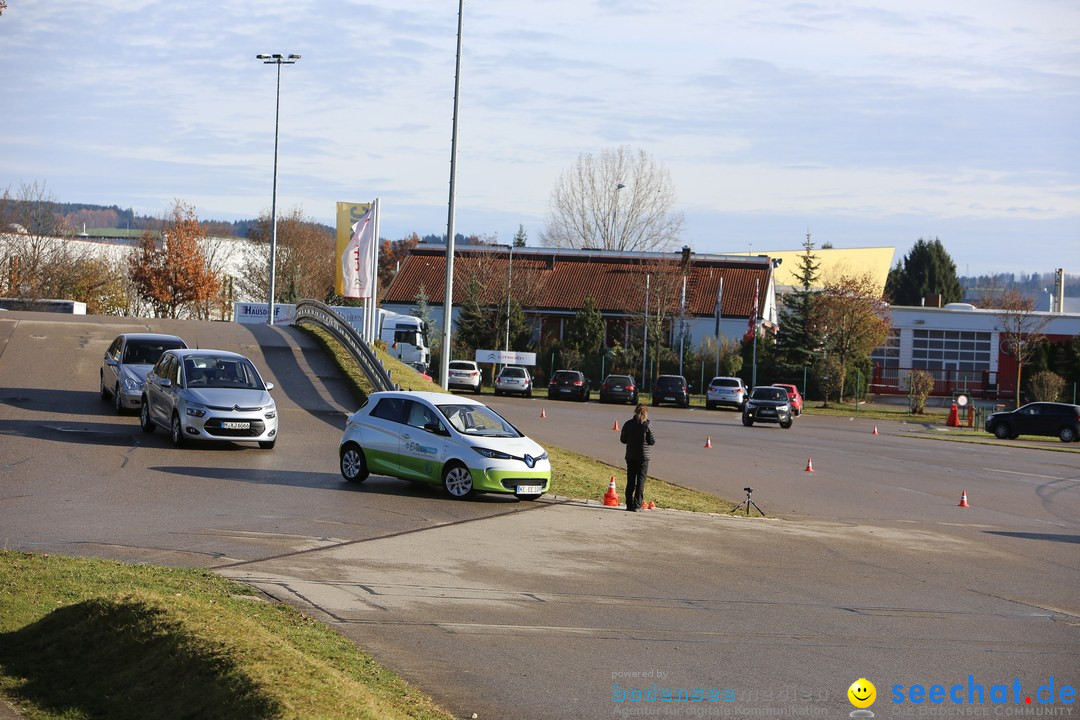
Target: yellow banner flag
(348,214)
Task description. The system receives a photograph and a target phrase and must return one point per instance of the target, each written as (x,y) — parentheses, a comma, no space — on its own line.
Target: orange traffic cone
(963,499)
(650,505)
(708,442)
(809,465)
(542,413)
(611,497)
(615,427)
(875,430)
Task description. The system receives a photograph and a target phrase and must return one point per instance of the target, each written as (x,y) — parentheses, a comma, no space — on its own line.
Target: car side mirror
(110,360)
(269,386)
(165,383)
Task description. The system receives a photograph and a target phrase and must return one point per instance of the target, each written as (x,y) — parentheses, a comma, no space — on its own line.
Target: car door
(422,443)
(110,374)
(155,397)
(381,435)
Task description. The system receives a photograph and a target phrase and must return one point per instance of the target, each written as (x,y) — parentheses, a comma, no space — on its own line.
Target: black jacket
(637,437)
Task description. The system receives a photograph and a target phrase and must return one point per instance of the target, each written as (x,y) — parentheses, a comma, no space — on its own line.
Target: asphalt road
(547,610)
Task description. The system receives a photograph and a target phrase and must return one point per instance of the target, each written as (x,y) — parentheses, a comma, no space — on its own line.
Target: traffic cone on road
(875,430)
(809,465)
(615,427)
(963,499)
(650,505)
(708,442)
(542,414)
(611,497)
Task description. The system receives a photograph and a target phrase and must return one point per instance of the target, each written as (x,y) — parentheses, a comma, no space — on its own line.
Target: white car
(464,374)
(442,439)
(209,395)
(726,391)
(514,379)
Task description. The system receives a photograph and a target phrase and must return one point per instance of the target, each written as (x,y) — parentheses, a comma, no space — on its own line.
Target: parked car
(442,439)
(671,389)
(209,395)
(463,374)
(726,391)
(570,384)
(793,395)
(126,362)
(514,380)
(1052,419)
(768,403)
(619,388)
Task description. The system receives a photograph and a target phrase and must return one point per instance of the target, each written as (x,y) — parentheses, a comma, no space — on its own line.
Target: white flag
(357,258)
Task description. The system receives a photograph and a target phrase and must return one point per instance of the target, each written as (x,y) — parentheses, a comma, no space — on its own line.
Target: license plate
(669,398)
(529,489)
(565,390)
(235,425)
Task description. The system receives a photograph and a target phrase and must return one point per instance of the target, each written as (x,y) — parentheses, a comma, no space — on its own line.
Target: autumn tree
(1020,329)
(304,265)
(174,278)
(618,200)
(926,270)
(391,254)
(853,320)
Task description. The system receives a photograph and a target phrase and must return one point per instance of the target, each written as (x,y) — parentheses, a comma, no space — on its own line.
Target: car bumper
(131,400)
(769,416)
(501,480)
(223,429)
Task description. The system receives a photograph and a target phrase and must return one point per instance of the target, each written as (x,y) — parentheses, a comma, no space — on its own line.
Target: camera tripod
(748,502)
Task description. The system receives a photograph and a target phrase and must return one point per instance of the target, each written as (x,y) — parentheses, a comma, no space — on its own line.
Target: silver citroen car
(209,395)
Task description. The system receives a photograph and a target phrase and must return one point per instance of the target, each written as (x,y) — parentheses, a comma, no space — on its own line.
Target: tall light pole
(509,284)
(279,60)
(615,218)
(448,297)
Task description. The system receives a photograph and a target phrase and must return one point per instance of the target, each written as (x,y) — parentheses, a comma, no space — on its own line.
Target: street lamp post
(509,285)
(615,218)
(279,60)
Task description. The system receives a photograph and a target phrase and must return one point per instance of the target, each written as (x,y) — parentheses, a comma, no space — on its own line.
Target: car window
(477,420)
(419,415)
(725,382)
(460,365)
(114,349)
(391,409)
(143,352)
(513,373)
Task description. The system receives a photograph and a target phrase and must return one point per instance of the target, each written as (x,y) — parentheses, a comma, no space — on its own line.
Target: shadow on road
(64,402)
(1051,537)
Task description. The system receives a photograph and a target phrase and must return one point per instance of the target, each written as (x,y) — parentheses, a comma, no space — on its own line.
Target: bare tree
(1021,329)
(305,260)
(852,318)
(175,278)
(620,200)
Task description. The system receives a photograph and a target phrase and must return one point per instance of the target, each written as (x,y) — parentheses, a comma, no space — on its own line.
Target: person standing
(637,436)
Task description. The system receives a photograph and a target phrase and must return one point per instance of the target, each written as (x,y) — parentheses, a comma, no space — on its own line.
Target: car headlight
(196,411)
(784,407)
(131,384)
(495,454)
(271,414)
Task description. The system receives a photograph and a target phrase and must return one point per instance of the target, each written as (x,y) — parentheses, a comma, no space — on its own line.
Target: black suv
(569,384)
(767,403)
(671,389)
(1038,418)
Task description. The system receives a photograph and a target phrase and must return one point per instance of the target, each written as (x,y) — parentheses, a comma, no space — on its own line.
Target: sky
(867,124)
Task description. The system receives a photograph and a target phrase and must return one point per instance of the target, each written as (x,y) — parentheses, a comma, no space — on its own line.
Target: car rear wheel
(144,417)
(177,431)
(458,481)
(710,405)
(353,464)
(1002,431)
(1067,435)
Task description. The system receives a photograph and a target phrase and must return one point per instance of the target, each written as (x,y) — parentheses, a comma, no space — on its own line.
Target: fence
(322,316)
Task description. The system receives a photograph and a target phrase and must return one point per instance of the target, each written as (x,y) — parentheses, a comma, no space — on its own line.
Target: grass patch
(87,638)
(573,475)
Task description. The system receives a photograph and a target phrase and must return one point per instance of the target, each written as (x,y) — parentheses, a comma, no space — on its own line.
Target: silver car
(514,379)
(726,391)
(209,395)
(126,362)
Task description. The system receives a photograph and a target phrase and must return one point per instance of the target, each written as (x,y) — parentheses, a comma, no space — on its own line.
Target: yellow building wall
(833,262)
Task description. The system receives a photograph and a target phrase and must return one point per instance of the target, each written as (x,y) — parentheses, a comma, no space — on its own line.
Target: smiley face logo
(862,693)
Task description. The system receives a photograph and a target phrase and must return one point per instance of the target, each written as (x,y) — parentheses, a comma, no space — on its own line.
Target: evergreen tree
(926,270)
(586,336)
(477,323)
(520,238)
(797,340)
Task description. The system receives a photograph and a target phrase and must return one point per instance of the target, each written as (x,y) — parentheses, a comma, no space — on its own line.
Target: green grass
(86,638)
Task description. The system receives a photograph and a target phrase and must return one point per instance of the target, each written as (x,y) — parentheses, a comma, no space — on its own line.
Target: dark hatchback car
(569,385)
(1059,420)
(619,388)
(671,389)
(768,403)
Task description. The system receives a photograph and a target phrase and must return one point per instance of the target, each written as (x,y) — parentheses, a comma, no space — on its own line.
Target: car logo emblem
(529,461)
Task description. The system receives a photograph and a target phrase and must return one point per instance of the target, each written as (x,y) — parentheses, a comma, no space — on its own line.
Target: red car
(793,396)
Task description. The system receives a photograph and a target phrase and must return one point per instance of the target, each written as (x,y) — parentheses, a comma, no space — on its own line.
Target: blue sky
(868,123)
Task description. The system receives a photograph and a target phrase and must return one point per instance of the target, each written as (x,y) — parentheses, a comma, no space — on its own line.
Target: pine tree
(925,271)
(520,238)
(796,340)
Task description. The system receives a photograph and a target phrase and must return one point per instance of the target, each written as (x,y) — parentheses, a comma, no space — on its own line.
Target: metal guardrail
(323,316)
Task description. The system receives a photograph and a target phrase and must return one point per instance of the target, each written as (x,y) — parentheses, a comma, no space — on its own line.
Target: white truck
(406,338)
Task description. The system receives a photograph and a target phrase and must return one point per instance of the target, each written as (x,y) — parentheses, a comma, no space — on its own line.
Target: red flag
(751,322)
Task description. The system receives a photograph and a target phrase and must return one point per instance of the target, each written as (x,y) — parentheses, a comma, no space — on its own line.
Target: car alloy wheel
(1002,431)
(1067,434)
(353,464)
(144,417)
(177,431)
(458,481)
(104,392)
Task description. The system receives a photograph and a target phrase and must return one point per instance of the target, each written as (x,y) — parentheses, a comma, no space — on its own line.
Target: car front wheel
(177,429)
(786,425)
(118,401)
(747,421)
(458,481)
(144,417)
(353,464)
(1002,431)
(1067,435)
(104,392)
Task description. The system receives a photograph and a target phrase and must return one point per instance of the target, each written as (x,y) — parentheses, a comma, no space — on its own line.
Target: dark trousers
(636,470)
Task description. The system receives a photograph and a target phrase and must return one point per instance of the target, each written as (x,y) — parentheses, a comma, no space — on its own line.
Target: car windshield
(769,394)
(221,372)
(147,352)
(477,420)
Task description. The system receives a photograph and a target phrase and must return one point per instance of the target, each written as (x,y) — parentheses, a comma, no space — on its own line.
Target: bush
(921,384)
(1046,386)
